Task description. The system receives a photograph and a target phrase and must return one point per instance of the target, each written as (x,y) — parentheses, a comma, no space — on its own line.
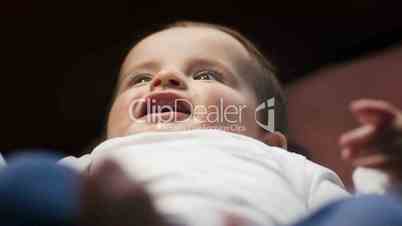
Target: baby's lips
(160,99)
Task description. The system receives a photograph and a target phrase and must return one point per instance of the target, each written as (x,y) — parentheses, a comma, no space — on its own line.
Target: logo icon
(269,106)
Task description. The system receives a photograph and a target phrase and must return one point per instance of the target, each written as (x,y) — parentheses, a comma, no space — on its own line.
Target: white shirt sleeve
(325,186)
(316,184)
(325,190)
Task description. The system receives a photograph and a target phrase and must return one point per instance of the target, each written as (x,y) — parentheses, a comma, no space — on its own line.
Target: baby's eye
(206,75)
(140,79)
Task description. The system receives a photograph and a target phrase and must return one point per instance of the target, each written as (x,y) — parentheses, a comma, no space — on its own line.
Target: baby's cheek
(239,108)
(119,116)
(120,106)
(126,101)
(233,106)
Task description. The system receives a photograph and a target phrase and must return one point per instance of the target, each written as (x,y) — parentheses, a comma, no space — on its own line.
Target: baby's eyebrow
(194,62)
(229,72)
(145,65)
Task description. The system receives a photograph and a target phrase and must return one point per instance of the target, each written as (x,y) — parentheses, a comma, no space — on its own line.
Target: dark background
(59,60)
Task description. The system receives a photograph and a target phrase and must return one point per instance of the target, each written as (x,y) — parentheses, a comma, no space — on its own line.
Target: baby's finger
(358,138)
(375,112)
(110,197)
(111,179)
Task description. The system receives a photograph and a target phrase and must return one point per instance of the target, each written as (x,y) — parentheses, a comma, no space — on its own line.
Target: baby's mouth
(165,107)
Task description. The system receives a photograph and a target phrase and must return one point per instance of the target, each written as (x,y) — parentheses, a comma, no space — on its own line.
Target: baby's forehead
(196,36)
(180,43)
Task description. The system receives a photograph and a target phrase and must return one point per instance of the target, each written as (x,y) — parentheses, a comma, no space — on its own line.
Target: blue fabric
(35,191)
(365,210)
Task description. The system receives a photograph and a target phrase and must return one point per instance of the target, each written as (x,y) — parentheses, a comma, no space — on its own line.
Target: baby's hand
(110,198)
(377,143)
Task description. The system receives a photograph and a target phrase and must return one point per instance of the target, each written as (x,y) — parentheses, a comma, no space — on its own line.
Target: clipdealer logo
(213,114)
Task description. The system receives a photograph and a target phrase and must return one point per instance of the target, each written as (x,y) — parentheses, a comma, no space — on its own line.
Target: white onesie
(199,175)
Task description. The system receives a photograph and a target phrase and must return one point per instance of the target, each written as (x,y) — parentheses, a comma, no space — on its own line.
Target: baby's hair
(265,83)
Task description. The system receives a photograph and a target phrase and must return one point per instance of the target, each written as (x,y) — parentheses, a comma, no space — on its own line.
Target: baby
(184,124)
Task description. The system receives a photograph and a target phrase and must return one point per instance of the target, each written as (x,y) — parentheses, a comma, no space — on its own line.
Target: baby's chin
(136,128)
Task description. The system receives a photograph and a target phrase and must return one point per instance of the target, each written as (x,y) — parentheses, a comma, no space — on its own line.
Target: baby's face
(185,78)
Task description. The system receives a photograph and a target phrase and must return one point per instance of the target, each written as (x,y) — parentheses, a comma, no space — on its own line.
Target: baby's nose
(168,80)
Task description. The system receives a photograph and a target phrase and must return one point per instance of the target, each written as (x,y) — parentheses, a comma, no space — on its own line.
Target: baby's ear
(276,139)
